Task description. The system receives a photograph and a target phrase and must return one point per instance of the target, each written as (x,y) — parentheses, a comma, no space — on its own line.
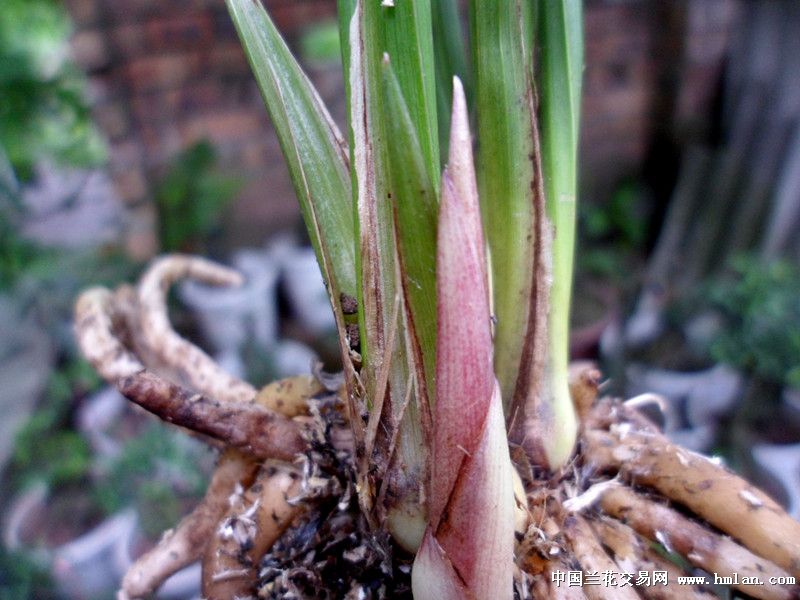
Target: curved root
(251,526)
(185,544)
(125,334)
(702,547)
(199,369)
(633,554)
(95,325)
(710,491)
(592,558)
(248,426)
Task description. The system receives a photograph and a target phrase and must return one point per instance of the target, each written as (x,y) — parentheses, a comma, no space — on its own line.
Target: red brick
(229,59)
(89,49)
(257,152)
(292,15)
(224,126)
(128,40)
(113,118)
(189,31)
(161,141)
(82,12)
(212,94)
(162,71)
(161,107)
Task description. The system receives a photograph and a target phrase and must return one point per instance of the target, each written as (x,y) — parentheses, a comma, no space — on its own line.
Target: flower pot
(696,400)
(91,564)
(594,310)
(230,316)
(305,289)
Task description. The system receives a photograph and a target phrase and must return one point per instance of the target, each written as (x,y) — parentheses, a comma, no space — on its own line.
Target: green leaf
(390,368)
(451,60)
(416,205)
(407,37)
(313,147)
(561,33)
(502,60)
(402,31)
(345,10)
(528,213)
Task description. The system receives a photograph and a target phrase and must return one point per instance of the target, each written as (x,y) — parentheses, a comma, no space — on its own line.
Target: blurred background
(134,127)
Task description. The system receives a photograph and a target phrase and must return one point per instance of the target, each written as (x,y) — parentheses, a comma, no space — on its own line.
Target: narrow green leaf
(529,220)
(416,205)
(401,441)
(407,37)
(345,10)
(451,60)
(311,143)
(502,61)
(377,278)
(402,30)
(561,39)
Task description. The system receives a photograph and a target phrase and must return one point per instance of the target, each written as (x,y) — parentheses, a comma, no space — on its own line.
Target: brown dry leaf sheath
(251,527)
(593,558)
(185,544)
(713,493)
(703,548)
(247,426)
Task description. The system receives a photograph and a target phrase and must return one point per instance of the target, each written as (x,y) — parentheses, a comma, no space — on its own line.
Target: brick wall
(166,74)
(652,69)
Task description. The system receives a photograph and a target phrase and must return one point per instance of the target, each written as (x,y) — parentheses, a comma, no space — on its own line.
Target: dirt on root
(330,552)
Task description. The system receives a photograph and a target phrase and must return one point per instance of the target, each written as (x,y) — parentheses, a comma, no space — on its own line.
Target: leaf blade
(450,57)
(502,64)
(314,149)
(407,33)
(415,201)
(561,34)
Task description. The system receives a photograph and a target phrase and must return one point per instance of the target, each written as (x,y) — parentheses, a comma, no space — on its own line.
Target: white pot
(703,396)
(306,290)
(228,316)
(93,564)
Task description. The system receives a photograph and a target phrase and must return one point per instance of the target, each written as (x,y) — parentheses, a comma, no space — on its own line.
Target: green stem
(561,37)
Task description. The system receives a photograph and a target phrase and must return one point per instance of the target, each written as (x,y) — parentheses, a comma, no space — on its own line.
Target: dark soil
(331,553)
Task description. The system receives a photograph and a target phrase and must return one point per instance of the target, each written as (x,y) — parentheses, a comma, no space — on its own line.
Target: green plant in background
(612,233)
(319,43)
(43,111)
(16,253)
(760,309)
(47,449)
(44,116)
(158,472)
(191,197)
(21,577)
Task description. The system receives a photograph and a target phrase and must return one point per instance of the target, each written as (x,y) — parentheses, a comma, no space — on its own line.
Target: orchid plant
(468,447)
